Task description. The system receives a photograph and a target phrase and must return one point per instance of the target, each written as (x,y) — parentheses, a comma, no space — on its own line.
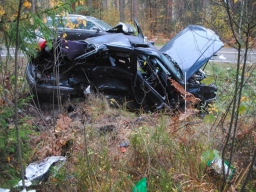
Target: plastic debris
(222,57)
(87,91)
(216,165)
(141,186)
(38,169)
(27,183)
(106,129)
(213,160)
(122,149)
(124,144)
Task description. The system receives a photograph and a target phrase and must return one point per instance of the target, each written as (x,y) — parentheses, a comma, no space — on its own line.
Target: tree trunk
(115,3)
(90,7)
(168,15)
(134,11)
(33,6)
(174,10)
(121,10)
(105,5)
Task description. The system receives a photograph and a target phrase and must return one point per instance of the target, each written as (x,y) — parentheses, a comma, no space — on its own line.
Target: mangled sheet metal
(128,69)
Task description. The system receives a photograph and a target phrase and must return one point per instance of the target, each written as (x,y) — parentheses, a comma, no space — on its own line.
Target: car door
(114,74)
(150,85)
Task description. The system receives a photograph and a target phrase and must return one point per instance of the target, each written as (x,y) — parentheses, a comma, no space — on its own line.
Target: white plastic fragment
(27,183)
(216,164)
(87,91)
(38,169)
(222,57)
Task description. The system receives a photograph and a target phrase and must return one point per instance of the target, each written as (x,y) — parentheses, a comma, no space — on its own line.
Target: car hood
(192,48)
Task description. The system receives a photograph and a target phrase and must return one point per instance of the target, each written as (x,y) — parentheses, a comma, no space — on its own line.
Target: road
(11,52)
(225,54)
(230,55)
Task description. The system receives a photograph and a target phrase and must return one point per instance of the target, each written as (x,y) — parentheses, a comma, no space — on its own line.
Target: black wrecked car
(80,27)
(127,67)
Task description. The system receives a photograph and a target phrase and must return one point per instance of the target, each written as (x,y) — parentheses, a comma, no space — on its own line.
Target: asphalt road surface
(3,52)
(225,54)
(230,55)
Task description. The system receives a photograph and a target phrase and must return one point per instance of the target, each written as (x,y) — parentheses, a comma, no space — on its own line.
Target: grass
(163,149)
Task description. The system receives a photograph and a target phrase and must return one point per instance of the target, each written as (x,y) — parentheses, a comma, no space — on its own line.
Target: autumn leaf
(58,129)
(81,2)
(26,4)
(64,35)
(52,4)
(2,12)
(244,99)
(45,20)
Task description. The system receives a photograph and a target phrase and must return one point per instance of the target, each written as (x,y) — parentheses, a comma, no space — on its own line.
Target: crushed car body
(127,67)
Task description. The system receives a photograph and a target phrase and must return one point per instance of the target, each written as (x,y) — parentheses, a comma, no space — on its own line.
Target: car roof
(73,15)
(118,40)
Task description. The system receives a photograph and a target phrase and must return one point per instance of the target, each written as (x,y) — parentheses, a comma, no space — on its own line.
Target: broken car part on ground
(126,67)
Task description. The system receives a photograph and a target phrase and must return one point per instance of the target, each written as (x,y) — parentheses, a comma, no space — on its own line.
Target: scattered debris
(27,183)
(37,170)
(70,108)
(217,166)
(123,146)
(213,161)
(87,91)
(106,129)
(141,186)
(222,57)
(48,118)
(122,149)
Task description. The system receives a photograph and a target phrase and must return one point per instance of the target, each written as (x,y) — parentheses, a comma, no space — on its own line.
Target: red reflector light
(42,43)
